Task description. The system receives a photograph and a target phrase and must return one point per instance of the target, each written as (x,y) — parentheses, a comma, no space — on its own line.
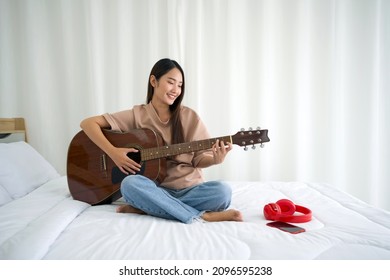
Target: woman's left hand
(220,150)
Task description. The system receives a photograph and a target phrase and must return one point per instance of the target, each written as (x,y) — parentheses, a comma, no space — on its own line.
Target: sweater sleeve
(121,121)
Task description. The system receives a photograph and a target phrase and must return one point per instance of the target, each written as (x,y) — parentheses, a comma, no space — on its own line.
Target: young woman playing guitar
(183,194)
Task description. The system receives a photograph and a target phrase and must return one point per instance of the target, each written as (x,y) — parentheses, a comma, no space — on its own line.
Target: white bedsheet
(49,224)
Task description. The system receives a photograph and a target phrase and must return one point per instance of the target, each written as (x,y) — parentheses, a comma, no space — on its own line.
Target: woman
(183,195)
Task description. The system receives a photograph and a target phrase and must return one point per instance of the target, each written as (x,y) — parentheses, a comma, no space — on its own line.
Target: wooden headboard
(12,130)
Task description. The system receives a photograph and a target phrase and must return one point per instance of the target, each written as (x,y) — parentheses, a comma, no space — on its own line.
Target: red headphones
(283,210)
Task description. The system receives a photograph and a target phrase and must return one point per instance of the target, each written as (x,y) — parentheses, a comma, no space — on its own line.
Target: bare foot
(228,215)
(129,209)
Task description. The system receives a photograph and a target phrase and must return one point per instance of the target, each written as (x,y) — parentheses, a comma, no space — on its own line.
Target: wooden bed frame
(12,129)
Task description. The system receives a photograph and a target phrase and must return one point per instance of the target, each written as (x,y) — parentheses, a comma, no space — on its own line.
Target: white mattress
(48,224)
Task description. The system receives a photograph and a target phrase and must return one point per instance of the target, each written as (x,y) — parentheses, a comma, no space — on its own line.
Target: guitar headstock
(251,137)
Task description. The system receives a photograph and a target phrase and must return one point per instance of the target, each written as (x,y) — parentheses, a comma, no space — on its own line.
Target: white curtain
(315,73)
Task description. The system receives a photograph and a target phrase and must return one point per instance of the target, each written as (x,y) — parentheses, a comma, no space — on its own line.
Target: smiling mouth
(172,96)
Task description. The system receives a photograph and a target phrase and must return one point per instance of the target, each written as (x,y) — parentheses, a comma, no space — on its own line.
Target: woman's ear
(153,80)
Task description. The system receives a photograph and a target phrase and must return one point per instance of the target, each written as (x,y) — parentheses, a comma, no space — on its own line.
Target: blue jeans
(185,205)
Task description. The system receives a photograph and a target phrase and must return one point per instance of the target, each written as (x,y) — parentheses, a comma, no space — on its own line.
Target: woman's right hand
(93,128)
(124,163)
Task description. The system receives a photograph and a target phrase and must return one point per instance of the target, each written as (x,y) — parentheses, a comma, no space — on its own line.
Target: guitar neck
(182,148)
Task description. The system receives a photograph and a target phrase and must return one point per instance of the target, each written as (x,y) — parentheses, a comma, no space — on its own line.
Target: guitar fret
(176,149)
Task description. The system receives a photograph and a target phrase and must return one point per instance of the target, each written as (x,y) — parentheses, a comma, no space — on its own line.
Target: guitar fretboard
(182,148)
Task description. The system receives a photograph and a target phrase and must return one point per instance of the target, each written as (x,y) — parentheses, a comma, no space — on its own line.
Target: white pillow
(23,169)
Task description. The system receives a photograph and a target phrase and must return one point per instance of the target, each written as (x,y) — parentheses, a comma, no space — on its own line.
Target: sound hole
(117,176)
(135,156)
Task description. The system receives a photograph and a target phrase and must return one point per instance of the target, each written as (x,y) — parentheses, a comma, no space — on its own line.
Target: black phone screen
(286,227)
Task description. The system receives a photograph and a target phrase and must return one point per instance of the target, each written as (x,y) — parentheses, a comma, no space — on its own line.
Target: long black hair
(162,67)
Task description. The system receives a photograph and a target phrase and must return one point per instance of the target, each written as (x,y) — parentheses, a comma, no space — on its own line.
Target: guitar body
(94,178)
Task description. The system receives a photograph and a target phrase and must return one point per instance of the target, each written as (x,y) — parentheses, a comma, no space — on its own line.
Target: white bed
(40,220)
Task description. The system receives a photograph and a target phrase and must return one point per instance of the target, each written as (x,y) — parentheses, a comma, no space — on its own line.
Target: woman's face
(168,88)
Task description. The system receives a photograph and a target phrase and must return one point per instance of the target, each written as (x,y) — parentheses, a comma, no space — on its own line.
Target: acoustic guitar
(94,178)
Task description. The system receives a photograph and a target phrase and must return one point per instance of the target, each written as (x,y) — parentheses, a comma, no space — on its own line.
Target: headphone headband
(284,209)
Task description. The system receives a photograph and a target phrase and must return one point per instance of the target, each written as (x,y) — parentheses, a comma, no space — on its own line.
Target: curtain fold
(315,73)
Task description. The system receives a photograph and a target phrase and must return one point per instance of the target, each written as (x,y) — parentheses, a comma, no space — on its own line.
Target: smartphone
(286,227)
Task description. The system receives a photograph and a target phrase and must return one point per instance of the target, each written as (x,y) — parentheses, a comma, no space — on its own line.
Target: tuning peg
(250,129)
(245,148)
(258,128)
(253,147)
(242,129)
(262,145)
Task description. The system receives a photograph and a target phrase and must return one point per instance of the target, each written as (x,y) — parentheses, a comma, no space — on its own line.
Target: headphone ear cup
(272,211)
(287,207)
